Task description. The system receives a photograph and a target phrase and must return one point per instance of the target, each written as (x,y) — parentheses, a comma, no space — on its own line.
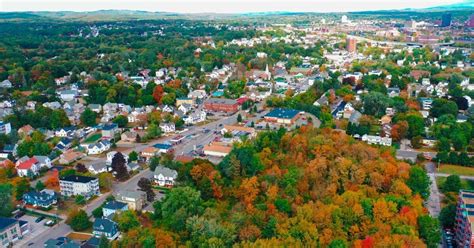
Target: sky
(219,6)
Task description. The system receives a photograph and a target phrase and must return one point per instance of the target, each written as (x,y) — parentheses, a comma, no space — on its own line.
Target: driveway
(36,230)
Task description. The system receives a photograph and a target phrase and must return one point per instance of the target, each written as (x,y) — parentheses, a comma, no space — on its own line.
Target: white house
(68,95)
(165,176)
(377,140)
(167,127)
(97,148)
(195,117)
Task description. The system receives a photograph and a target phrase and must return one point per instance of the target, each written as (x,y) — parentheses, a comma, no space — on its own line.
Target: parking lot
(35,229)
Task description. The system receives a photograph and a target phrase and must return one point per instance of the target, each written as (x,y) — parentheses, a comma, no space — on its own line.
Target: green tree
(417,142)
(239,118)
(40,185)
(78,220)
(419,182)
(338,243)
(447,216)
(416,125)
(429,230)
(154,162)
(178,205)
(121,121)
(375,103)
(6,198)
(22,187)
(133,156)
(452,184)
(443,106)
(104,242)
(88,118)
(126,220)
(97,213)
(80,200)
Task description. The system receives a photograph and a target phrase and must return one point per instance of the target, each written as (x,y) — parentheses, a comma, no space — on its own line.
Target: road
(433,203)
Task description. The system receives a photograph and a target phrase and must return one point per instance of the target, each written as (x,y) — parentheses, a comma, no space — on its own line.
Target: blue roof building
(105,227)
(45,198)
(282,115)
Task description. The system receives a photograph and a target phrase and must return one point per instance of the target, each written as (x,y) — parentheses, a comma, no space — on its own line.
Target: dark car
(39,219)
(19,215)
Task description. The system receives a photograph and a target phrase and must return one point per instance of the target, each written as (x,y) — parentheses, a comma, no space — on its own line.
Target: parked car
(50,223)
(39,219)
(19,214)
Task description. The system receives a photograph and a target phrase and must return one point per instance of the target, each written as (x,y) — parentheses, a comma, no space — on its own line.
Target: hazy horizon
(223,6)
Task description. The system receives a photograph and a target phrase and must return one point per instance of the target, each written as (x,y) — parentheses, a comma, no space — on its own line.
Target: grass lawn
(465,184)
(93,138)
(456,170)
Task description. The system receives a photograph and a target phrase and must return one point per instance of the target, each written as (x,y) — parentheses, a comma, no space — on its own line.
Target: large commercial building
(282,116)
(79,185)
(351,45)
(221,105)
(464,219)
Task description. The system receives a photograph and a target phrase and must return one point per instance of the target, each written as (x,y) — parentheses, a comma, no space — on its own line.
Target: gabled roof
(115,205)
(26,165)
(104,225)
(167,172)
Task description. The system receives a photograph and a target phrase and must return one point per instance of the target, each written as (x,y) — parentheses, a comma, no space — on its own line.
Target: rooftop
(283,113)
(115,205)
(6,222)
(78,179)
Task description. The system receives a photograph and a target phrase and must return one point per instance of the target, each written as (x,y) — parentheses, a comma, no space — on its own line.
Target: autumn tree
(78,220)
(158,93)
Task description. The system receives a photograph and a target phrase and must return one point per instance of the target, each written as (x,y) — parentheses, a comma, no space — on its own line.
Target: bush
(78,220)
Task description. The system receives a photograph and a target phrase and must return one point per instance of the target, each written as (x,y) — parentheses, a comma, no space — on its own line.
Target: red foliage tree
(158,93)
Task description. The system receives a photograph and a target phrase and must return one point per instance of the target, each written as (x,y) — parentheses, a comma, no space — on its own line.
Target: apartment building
(79,185)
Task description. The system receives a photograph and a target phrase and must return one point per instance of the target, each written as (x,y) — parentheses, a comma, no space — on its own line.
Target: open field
(456,170)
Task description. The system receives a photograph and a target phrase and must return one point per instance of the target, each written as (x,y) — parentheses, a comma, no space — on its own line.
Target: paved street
(433,203)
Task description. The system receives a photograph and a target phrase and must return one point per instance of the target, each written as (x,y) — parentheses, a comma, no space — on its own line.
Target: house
(109,130)
(95,107)
(44,161)
(165,176)
(425,103)
(25,130)
(68,95)
(63,144)
(221,105)
(44,198)
(217,149)
(70,156)
(184,100)
(185,108)
(133,166)
(79,185)
(129,136)
(282,116)
(377,140)
(148,153)
(61,242)
(97,148)
(393,91)
(98,168)
(105,227)
(5,128)
(12,230)
(29,167)
(197,94)
(195,118)
(111,207)
(65,132)
(167,127)
(133,198)
(6,84)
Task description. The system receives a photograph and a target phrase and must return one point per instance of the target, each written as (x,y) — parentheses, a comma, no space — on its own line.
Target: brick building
(221,105)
